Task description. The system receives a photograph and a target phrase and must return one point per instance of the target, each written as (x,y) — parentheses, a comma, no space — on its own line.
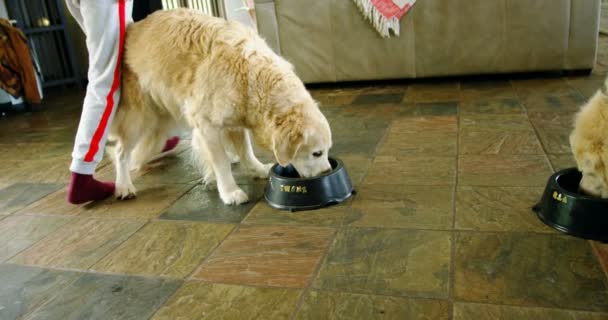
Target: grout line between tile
(89,268)
(537,134)
(29,314)
(413,297)
(451,272)
(211,252)
(249,285)
(202,262)
(315,273)
(96,272)
(404,296)
(548,160)
(596,253)
(576,89)
(36,242)
(339,228)
(531,306)
(384,295)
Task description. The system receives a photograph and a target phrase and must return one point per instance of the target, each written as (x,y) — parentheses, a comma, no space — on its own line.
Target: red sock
(170,144)
(84,188)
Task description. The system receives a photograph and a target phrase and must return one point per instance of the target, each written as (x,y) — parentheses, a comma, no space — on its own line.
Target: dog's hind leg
(233,155)
(241,140)
(152,140)
(124,185)
(126,128)
(208,139)
(200,159)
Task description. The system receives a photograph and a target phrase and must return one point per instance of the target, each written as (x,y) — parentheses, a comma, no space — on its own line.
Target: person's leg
(104,23)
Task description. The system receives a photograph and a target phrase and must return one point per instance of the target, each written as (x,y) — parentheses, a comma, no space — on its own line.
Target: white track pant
(104,24)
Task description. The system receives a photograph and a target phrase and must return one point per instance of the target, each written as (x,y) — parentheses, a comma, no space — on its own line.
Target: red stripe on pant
(94,147)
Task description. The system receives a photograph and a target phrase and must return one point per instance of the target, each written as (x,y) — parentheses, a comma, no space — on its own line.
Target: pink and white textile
(384,15)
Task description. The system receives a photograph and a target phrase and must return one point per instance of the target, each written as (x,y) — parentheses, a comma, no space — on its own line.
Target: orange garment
(17,75)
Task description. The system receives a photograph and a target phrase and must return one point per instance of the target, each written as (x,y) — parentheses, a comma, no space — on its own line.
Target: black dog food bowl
(287,191)
(565,209)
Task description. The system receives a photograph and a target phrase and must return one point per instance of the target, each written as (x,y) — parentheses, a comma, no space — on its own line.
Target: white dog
(183,69)
(589,143)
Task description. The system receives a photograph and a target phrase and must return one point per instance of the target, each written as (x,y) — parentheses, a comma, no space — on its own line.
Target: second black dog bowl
(287,191)
(565,209)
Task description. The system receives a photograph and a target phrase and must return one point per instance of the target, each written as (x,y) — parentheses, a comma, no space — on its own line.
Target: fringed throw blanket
(384,15)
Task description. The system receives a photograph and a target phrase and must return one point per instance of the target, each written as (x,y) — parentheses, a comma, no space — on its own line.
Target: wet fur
(183,69)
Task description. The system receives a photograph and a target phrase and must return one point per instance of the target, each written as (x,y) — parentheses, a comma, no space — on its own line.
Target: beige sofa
(328,40)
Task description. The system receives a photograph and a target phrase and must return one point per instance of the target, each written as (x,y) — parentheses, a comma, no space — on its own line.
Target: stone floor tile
(281,256)
(329,101)
(554,133)
(466,311)
(223,301)
(498,209)
(40,135)
(415,170)
(429,143)
(542,87)
(204,204)
(601,251)
(426,109)
(176,169)
(348,306)
(539,106)
(357,165)
(432,136)
(587,85)
(495,122)
(150,202)
(25,289)
(491,106)
(263,214)
(95,296)
(487,90)
(358,135)
(388,262)
(36,151)
(408,125)
(402,206)
(18,233)
(164,248)
(20,195)
(54,204)
(34,171)
(528,270)
(507,171)
(433,92)
(372,99)
(499,142)
(80,244)
(562,161)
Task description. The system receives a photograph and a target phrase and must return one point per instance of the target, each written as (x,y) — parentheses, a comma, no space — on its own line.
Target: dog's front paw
(125,192)
(234,197)
(263,171)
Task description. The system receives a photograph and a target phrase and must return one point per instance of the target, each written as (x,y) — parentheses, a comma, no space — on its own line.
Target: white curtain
(210,7)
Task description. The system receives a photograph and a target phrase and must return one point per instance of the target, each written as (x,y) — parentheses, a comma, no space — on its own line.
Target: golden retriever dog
(589,143)
(219,79)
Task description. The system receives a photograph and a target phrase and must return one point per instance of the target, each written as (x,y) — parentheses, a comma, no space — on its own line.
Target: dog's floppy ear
(288,136)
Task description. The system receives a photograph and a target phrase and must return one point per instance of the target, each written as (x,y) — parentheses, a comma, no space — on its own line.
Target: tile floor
(441,227)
